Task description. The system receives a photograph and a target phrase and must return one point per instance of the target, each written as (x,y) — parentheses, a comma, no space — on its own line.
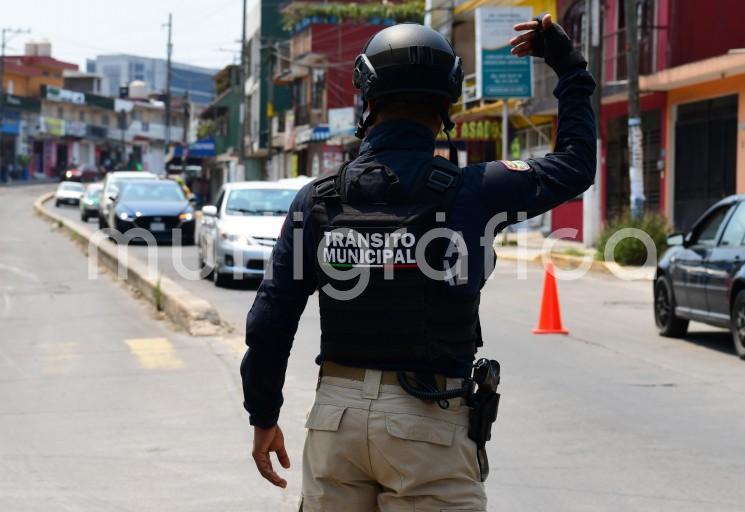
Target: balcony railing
(614,61)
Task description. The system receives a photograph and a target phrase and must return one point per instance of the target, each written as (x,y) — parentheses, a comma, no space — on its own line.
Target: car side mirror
(676,239)
(113,197)
(209,211)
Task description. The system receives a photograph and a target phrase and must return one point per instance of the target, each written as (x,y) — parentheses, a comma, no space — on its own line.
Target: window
(260,201)
(60,112)
(319,87)
(734,233)
(574,23)
(706,232)
(81,116)
(646,31)
(104,120)
(218,203)
(156,191)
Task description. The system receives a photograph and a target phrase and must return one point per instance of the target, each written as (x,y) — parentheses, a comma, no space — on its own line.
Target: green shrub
(631,251)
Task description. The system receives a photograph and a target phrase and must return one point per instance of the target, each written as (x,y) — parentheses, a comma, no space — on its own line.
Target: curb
(567,262)
(195,315)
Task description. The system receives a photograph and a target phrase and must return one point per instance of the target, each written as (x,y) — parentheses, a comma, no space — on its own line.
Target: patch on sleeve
(516,165)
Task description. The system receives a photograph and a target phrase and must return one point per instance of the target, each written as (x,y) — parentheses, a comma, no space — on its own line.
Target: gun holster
(484,405)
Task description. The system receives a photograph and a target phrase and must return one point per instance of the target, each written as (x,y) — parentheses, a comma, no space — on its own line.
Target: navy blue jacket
(488,189)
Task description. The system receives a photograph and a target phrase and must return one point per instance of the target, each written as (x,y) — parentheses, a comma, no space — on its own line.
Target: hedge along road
(611,417)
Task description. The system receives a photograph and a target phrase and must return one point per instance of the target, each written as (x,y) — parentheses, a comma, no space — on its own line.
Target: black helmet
(407,58)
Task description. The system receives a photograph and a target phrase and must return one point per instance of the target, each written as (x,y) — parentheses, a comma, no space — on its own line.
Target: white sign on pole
(499,74)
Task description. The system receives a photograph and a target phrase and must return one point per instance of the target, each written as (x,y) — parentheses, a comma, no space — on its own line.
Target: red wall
(702,29)
(340,43)
(568,215)
(654,101)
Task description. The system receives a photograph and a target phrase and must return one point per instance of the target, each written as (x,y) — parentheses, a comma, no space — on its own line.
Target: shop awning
(494,110)
(321,132)
(707,70)
(203,148)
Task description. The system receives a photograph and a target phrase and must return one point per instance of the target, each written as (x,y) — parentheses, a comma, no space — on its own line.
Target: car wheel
(56,203)
(220,279)
(737,320)
(101,222)
(668,324)
(83,217)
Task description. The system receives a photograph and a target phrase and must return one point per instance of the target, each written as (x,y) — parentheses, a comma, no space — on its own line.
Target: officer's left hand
(522,45)
(267,440)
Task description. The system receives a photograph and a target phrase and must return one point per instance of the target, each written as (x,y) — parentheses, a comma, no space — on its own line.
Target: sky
(205,32)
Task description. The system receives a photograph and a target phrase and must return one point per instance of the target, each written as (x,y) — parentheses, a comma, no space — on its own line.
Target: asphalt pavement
(106,407)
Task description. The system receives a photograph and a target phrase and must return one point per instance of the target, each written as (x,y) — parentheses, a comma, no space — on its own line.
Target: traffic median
(191,313)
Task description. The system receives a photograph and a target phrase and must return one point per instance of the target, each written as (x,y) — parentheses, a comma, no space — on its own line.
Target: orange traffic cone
(550,319)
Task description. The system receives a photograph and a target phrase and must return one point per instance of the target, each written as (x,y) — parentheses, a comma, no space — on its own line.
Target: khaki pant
(373,447)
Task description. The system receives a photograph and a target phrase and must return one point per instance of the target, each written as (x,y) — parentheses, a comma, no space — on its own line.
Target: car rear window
(71,186)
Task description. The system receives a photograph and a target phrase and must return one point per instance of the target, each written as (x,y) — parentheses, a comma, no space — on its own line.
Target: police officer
(394,316)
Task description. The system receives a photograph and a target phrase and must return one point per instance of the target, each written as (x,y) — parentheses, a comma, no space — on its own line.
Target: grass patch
(158,296)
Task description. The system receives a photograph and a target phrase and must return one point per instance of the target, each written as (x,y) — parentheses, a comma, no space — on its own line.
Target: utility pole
(5,31)
(591,200)
(242,84)
(186,108)
(636,155)
(169,51)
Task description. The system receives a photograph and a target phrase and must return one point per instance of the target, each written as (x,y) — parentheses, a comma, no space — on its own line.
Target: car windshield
(93,193)
(259,201)
(152,191)
(76,187)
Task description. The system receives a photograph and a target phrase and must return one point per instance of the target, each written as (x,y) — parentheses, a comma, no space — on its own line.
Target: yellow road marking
(58,357)
(155,353)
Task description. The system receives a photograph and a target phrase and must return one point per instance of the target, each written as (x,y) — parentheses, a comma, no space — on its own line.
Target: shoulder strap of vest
(327,187)
(440,184)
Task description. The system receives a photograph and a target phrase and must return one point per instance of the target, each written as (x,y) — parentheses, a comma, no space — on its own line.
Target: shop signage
(484,129)
(56,94)
(52,126)
(303,134)
(75,129)
(341,122)
(501,75)
(22,103)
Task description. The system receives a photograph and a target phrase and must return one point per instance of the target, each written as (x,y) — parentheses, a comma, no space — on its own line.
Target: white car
(68,192)
(238,232)
(110,191)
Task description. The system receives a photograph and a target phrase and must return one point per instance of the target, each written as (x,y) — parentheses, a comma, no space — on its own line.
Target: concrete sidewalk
(532,247)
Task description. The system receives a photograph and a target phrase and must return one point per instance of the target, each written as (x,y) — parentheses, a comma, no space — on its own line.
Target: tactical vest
(402,315)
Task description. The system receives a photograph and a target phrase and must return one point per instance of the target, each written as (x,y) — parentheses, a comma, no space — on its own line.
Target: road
(611,417)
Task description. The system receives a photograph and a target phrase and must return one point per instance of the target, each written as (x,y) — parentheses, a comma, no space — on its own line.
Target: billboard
(499,74)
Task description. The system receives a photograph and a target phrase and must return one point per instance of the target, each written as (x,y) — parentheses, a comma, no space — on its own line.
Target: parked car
(237,234)
(90,201)
(110,189)
(158,206)
(68,192)
(702,278)
(82,173)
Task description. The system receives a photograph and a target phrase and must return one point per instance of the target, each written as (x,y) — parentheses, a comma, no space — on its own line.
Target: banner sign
(484,129)
(57,94)
(500,74)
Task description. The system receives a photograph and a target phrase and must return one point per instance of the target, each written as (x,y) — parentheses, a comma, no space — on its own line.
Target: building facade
(315,133)
(55,118)
(691,102)
(122,69)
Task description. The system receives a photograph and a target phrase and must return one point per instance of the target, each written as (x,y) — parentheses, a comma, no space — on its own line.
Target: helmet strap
(447,126)
(365,122)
